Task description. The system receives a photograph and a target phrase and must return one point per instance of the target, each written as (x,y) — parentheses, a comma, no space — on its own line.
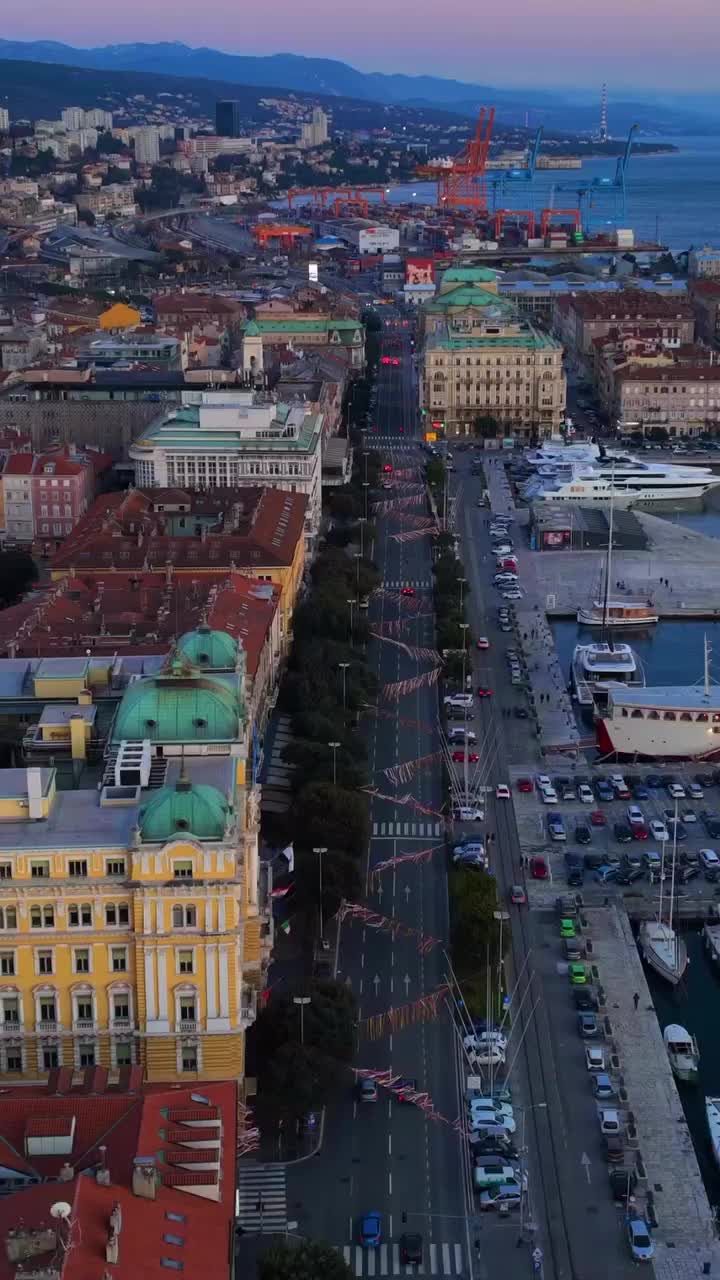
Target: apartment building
(579,319)
(684,399)
(45,495)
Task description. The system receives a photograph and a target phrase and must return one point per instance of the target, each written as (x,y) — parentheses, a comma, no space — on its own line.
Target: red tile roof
(49,1127)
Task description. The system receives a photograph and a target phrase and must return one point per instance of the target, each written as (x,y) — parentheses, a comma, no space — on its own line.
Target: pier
(670,1188)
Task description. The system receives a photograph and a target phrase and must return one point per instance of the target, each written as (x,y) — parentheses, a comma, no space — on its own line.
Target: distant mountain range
(327,77)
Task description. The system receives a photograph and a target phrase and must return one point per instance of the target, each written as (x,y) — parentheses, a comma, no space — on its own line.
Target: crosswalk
(261,1198)
(397,830)
(420,584)
(438,1260)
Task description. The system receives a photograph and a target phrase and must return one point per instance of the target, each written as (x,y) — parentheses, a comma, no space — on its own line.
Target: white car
(513,594)
(542,782)
(676,791)
(502,791)
(476,1040)
(594,1058)
(635,816)
(709,859)
(610,1122)
(696,791)
(658,830)
(585,794)
(468,813)
(688,815)
(548,795)
(458,700)
(483,643)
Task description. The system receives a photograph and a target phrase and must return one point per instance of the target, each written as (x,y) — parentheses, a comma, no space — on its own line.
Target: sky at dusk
(633,44)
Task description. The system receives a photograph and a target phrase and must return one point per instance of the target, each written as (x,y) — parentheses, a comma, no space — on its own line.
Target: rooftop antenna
(603,134)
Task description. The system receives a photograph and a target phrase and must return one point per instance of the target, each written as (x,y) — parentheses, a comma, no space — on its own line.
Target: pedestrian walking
(636,1000)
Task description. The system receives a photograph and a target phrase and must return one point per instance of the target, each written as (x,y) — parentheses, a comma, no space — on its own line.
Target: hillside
(335,79)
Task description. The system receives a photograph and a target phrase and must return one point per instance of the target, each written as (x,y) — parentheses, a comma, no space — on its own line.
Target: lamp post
(352,606)
(536,1106)
(302,1001)
(463,583)
(466,785)
(366,486)
(502,916)
(320,851)
(358,558)
(362,521)
(334,746)
(343,666)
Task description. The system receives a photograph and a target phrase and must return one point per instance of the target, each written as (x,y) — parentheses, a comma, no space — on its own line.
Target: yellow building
(118,317)
(134,918)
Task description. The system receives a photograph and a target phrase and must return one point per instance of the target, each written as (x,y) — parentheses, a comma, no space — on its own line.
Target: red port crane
(461,185)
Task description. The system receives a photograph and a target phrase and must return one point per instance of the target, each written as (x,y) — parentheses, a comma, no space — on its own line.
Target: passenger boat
(712,1113)
(618,613)
(595,668)
(711,940)
(670,722)
(683,1052)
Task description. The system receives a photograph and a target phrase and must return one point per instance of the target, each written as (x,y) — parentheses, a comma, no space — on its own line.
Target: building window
(77,867)
(8,918)
(50,1059)
(118,956)
(183,870)
(188,1010)
(117,913)
(79,915)
(45,962)
(84,1011)
(48,1010)
(115,867)
(40,870)
(121,1007)
(123,1054)
(14,1060)
(11,1009)
(5,871)
(86,1055)
(184,917)
(189,1059)
(7,964)
(42,918)
(81,959)
(186,961)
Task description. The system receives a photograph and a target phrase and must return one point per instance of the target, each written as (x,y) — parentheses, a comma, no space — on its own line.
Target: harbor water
(696,1006)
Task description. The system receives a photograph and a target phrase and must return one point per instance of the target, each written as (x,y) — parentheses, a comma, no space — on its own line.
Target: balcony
(121,1024)
(11,1027)
(248,1007)
(47,1026)
(188,1026)
(84,1025)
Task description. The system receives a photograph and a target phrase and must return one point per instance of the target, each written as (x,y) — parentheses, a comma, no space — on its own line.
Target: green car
(577,975)
(567,928)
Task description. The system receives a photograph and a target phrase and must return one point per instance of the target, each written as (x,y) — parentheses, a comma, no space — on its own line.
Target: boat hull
(638,739)
(688,1075)
(712,1115)
(588,618)
(670,967)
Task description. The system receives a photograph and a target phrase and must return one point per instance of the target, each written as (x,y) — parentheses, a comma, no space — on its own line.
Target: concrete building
(20,344)
(364,236)
(232,439)
(314,132)
(479,360)
(147,145)
(73,117)
(4,119)
(578,319)
(96,118)
(705,302)
(343,337)
(116,197)
(684,399)
(704,262)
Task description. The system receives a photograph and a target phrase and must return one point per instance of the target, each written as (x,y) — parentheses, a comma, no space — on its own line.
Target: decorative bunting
(395,1085)
(407,800)
(248,1136)
(418,654)
(425,680)
(412,535)
(406,721)
(397,504)
(409,521)
(406,771)
(406,1015)
(385,924)
(422,855)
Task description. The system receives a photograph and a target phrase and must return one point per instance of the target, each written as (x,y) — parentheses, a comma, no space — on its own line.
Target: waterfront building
(233,438)
(683,399)
(579,319)
(478,359)
(134,917)
(704,262)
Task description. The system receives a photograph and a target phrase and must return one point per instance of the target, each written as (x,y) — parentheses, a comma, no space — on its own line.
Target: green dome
(179,708)
(198,810)
(209,650)
(468,275)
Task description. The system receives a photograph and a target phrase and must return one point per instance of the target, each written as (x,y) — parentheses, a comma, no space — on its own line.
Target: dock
(670,1187)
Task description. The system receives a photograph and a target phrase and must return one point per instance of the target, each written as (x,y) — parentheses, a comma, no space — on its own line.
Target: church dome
(198,810)
(209,650)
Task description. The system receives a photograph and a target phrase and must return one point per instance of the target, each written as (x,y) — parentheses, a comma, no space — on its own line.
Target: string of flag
(425,1009)
(385,924)
(407,722)
(401,688)
(413,535)
(408,800)
(417,653)
(422,855)
(397,504)
(406,771)
(248,1135)
(396,1084)
(407,520)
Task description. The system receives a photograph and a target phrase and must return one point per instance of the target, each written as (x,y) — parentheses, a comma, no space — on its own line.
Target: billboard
(419,271)
(313,272)
(554,539)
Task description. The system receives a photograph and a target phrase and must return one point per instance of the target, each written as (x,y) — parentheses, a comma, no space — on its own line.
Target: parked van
(491,1173)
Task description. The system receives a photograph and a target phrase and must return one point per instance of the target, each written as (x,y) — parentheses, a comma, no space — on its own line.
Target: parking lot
(595,847)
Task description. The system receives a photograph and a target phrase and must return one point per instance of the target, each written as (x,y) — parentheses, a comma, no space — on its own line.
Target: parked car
(635,816)
(614,1148)
(525,785)
(603,1087)
(609,1120)
(594,1058)
(508,1195)
(658,830)
(582,833)
(539,867)
(622,1184)
(597,818)
(556,827)
(585,795)
(603,790)
(676,791)
(567,927)
(641,1246)
(709,860)
(468,813)
(518,896)
(491,1173)
(587,1025)
(577,975)
(622,832)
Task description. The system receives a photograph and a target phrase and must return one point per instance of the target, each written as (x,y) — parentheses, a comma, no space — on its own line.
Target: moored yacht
(588,475)
(664,950)
(596,668)
(683,1052)
(618,613)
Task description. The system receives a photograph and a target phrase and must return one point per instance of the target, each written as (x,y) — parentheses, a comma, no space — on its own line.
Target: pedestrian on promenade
(636,1000)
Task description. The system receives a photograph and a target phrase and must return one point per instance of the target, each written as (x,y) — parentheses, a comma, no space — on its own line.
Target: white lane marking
(371,1262)
(384,1257)
(433,1259)
(358,1260)
(389,1144)
(347,1249)
(458,1259)
(446,1260)
(396,1259)
(390,1182)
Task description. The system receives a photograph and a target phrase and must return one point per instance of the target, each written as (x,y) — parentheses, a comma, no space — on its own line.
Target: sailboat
(683,1052)
(663,949)
(596,667)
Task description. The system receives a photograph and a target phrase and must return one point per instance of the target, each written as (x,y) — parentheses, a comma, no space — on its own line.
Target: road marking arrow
(376,982)
(379,889)
(406,891)
(585,1162)
(406,980)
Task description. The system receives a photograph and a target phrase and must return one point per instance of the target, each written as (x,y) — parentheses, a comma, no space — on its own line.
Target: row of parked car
(588,1001)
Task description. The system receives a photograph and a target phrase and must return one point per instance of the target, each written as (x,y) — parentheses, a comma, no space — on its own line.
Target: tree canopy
(308,1260)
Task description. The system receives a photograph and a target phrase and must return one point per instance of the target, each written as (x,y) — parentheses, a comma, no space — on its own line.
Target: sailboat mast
(707,666)
(662,880)
(672,871)
(608,563)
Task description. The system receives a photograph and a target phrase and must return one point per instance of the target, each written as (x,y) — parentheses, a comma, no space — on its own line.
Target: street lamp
(502,916)
(463,583)
(320,851)
(358,558)
(535,1106)
(343,666)
(302,1001)
(362,521)
(366,486)
(352,606)
(334,746)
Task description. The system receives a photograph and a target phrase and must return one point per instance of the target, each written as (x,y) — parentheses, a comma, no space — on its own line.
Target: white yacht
(683,1052)
(618,613)
(589,475)
(664,950)
(596,668)
(712,1113)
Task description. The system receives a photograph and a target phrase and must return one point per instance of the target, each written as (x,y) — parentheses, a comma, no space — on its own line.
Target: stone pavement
(549,697)
(685,1236)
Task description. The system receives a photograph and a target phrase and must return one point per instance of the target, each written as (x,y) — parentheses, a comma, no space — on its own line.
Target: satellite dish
(61,1209)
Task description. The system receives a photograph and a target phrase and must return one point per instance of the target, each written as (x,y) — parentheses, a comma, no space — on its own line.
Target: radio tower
(603,134)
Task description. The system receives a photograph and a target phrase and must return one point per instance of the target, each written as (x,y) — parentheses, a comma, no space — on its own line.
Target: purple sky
(633,44)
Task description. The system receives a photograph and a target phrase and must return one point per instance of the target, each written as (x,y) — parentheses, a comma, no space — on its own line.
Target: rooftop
(232,421)
(523,337)
(671,373)
(631,304)
(680,697)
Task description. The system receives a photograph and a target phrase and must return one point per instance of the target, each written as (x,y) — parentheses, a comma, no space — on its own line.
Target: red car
(597,818)
(525,784)
(408,591)
(640,833)
(484,693)
(459,757)
(539,868)
(387,468)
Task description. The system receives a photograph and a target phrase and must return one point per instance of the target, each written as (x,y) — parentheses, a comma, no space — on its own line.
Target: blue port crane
(528,173)
(621,170)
